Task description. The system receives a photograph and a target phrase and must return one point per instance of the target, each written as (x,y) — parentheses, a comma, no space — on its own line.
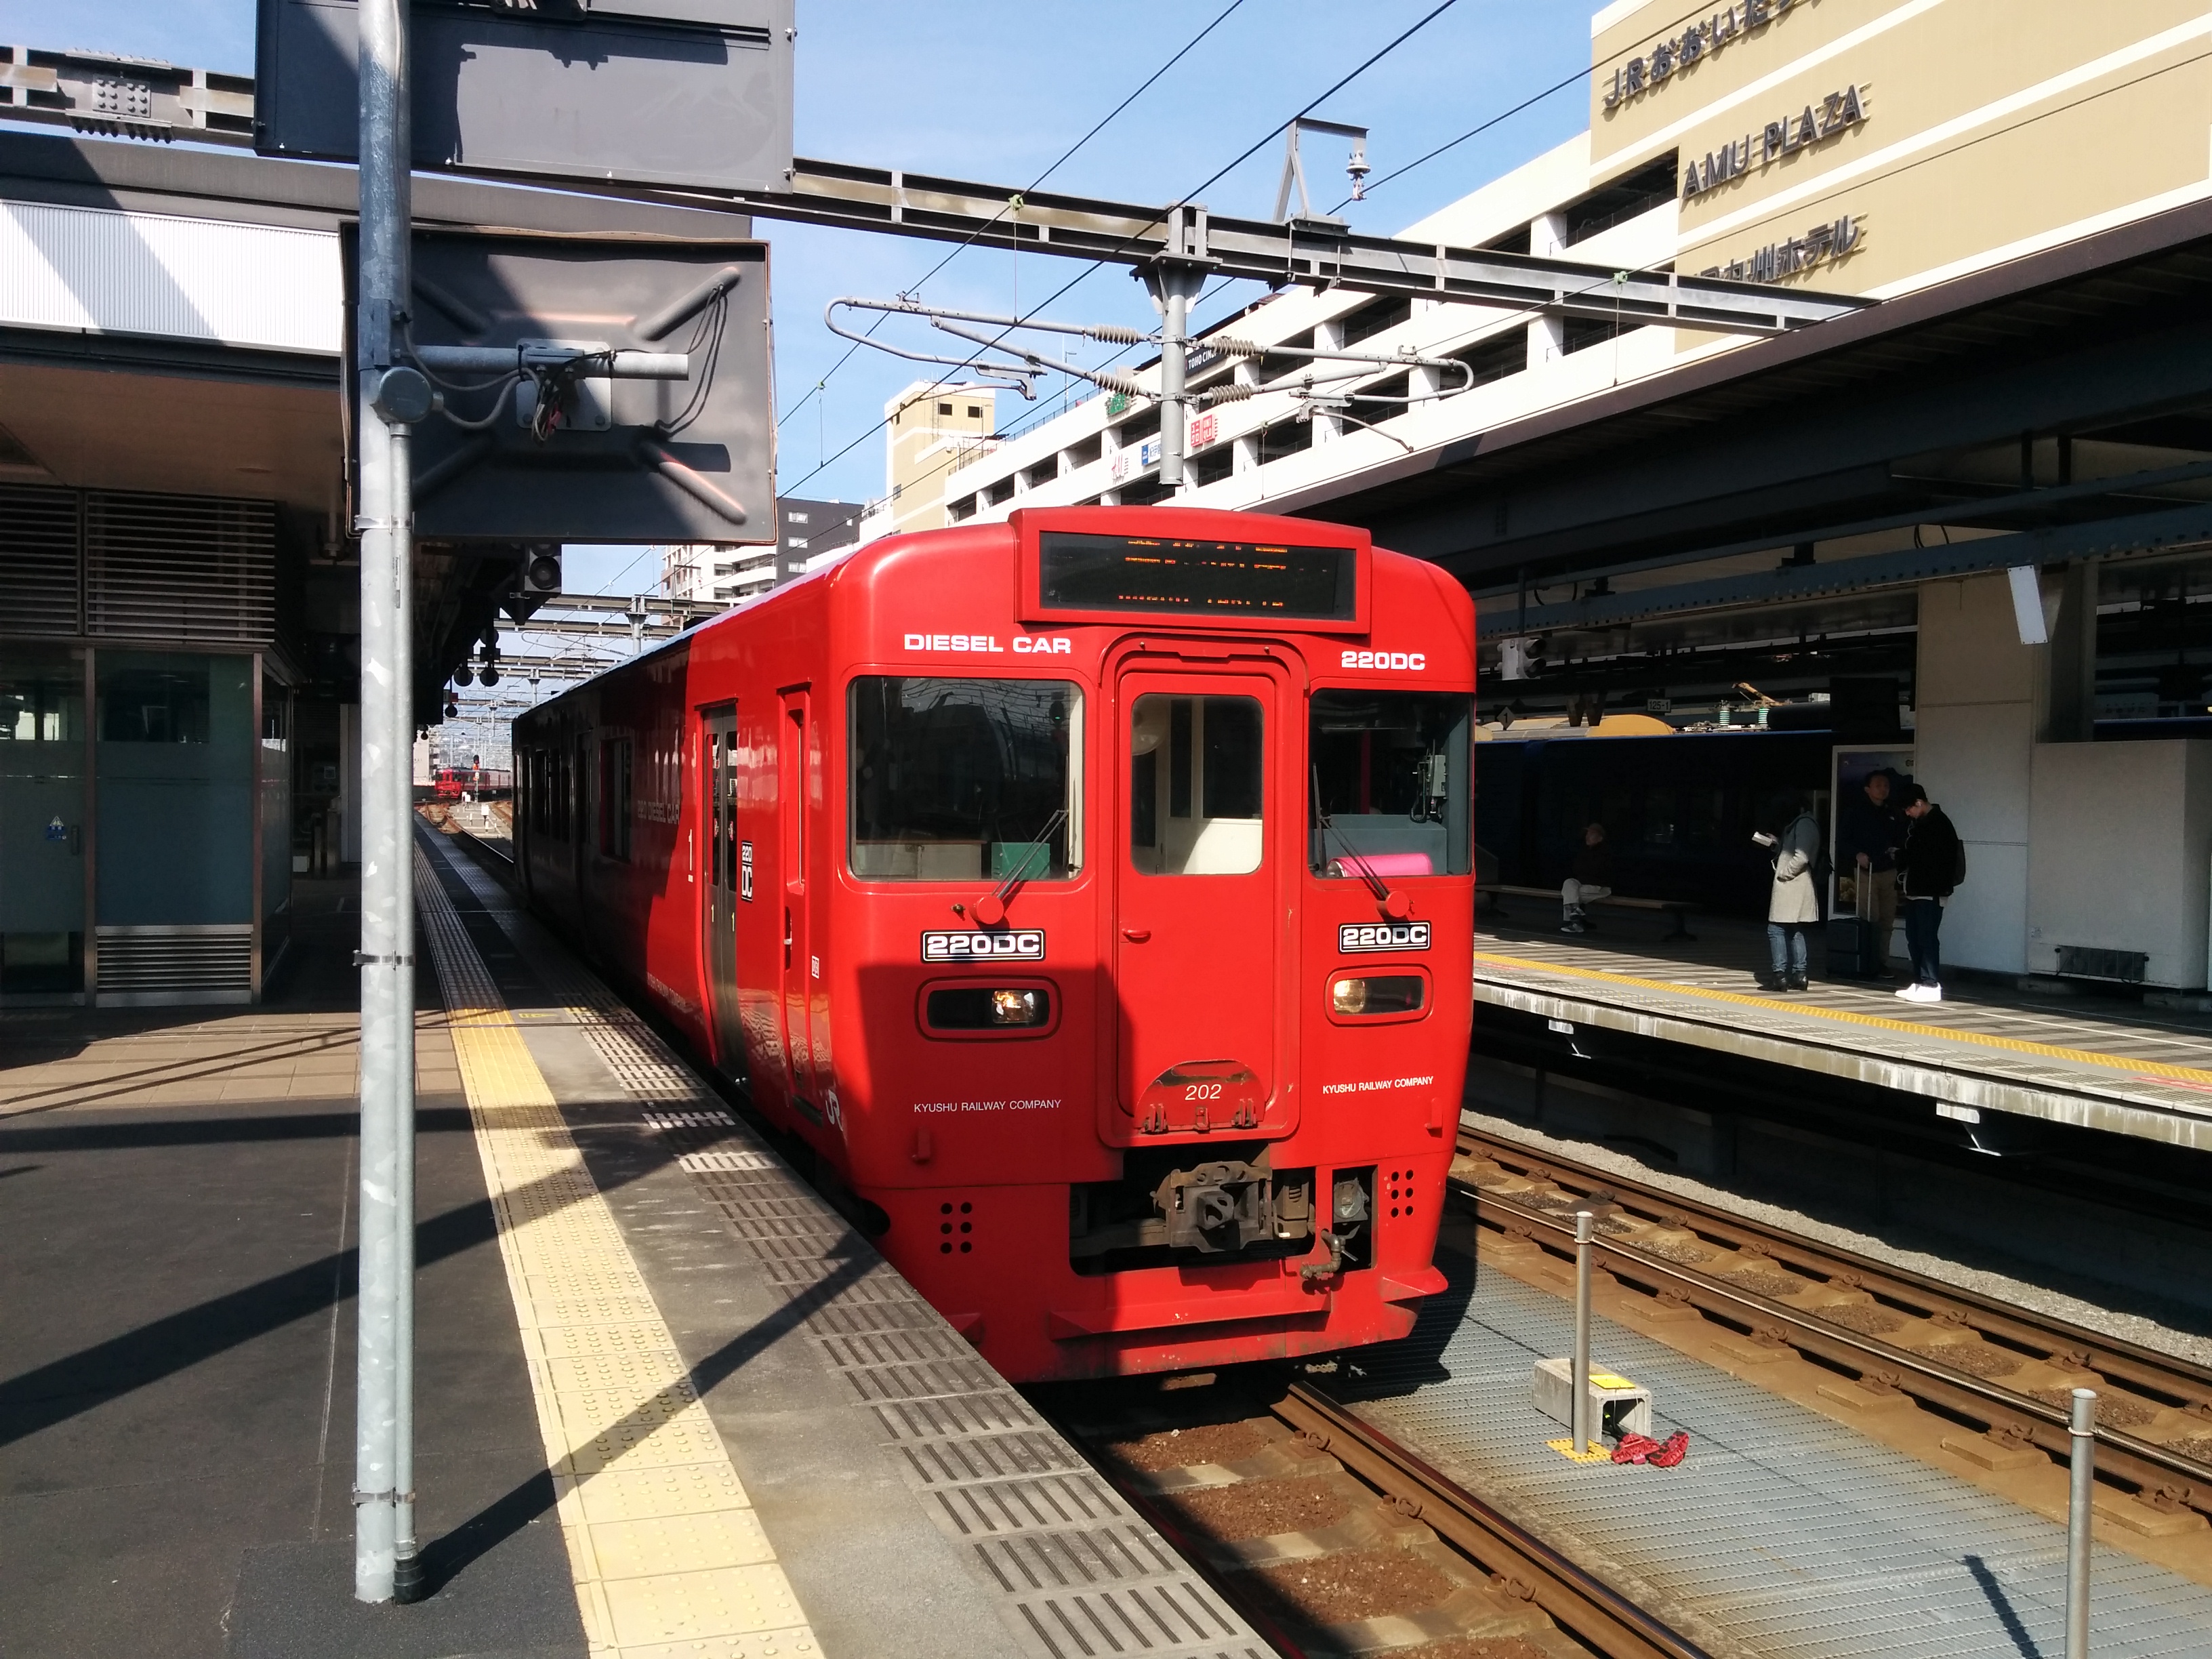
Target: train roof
(1022,529)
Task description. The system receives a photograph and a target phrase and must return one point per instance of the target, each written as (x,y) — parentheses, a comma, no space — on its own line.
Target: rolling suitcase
(1852,952)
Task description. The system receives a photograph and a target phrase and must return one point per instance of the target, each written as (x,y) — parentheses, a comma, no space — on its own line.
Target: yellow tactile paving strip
(668,1555)
(2141,1068)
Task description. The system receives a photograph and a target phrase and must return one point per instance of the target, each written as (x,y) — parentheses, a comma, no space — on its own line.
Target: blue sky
(993,90)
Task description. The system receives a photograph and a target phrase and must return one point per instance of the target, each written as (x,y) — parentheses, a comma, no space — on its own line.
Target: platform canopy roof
(2063,398)
(172,321)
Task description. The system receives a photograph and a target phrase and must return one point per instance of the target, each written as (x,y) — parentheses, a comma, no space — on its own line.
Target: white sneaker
(1918,993)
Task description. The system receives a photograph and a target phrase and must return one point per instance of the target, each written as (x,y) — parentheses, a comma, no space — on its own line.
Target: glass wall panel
(276,789)
(176,776)
(42,839)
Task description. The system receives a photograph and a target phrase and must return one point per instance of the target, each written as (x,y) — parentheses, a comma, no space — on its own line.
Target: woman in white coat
(1795,903)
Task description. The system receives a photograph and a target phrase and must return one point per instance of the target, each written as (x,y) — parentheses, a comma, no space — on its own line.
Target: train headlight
(1376,993)
(981,1009)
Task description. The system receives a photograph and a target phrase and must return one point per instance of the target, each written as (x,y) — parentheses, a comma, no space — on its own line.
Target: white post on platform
(2083,1430)
(387,1565)
(1579,1411)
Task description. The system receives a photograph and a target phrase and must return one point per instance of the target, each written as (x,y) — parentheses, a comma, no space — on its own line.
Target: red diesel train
(1092,892)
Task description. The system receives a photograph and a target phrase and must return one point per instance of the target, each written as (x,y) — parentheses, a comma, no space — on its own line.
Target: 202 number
(1201,1091)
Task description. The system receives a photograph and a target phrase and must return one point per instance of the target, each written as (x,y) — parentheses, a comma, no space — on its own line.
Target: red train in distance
(1092,893)
(477,782)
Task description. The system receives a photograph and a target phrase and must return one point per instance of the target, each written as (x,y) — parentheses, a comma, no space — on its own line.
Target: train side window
(1212,751)
(615,801)
(1388,783)
(962,780)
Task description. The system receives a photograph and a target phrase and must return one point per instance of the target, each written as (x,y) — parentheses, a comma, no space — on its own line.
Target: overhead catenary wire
(1065,155)
(1213,178)
(1373,185)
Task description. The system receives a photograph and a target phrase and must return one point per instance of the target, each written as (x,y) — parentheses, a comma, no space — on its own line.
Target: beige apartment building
(930,432)
(1869,147)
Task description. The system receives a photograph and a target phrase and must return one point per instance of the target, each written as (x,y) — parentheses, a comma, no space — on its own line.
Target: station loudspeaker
(541,571)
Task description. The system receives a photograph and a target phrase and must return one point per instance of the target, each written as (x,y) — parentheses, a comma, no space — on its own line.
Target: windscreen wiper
(991,910)
(1393,905)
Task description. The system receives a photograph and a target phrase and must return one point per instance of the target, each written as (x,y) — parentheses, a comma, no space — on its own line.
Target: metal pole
(1173,285)
(1175,333)
(407,1584)
(1581,1414)
(383,1389)
(2078,1511)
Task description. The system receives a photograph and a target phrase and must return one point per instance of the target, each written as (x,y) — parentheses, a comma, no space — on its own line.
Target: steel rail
(1520,1563)
(2151,1470)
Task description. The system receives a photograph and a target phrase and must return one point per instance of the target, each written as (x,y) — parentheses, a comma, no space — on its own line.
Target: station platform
(1784,1534)
(670,1403)
(2094,1062)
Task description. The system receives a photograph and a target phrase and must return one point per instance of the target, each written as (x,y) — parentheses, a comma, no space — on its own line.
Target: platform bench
(1677,911)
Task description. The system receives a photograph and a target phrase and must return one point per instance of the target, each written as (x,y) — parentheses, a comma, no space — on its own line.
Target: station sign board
(535,451)
(685,93)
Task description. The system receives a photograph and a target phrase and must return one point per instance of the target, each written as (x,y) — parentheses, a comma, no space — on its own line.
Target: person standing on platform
(1592,880)
(1794,903)
(1933,864)
(1871,831)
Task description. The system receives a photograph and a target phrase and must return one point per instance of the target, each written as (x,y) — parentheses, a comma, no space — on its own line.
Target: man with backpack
(1932,864)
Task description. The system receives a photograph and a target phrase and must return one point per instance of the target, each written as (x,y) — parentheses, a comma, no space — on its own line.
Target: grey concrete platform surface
(2092,1062)
(176,1355)
(1783,1535)
(916,1503)
(176,1342)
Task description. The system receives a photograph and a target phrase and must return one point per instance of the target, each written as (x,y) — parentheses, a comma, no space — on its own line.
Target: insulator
(1115,381)
(1229,394)
(1114,334)
(1230,346)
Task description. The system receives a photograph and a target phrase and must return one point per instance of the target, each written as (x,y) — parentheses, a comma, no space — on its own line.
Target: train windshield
(960,780)
(1390,783)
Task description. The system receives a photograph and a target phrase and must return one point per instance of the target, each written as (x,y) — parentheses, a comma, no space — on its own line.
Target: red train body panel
(1099,919)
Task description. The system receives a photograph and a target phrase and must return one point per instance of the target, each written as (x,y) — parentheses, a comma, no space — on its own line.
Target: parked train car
(1679,811)
(1091,892)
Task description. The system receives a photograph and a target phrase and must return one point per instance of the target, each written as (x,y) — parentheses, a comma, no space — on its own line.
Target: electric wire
(1215,178)
(1065,155)
(1529,102)
(1097,264)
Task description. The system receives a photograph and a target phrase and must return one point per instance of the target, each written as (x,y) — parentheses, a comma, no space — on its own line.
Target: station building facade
(1867,146)
(1936,155)
(179,615)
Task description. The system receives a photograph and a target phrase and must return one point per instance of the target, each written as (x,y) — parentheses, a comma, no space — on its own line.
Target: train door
(793,991)
(580,848)
(1198,931)
(728,879)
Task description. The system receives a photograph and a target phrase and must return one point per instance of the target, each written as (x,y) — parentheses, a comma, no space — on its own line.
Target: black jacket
(1930,863)
(1862,827)
(1593,865)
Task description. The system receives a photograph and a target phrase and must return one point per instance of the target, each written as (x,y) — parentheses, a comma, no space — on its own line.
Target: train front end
(1146,970)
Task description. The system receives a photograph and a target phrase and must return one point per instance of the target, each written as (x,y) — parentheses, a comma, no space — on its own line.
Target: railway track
(2002,1374)
(1333,1540)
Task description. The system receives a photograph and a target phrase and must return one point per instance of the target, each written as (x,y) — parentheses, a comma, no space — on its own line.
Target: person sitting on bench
(1591,881)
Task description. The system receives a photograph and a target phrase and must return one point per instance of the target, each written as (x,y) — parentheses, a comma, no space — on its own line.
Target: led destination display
(1199,578)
